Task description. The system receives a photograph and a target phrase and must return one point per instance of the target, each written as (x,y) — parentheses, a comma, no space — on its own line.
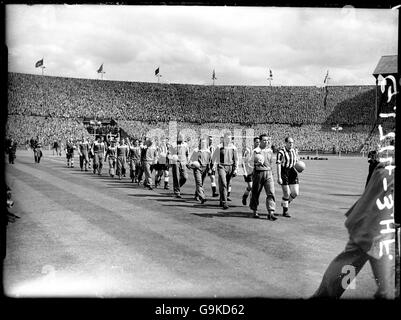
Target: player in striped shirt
(287,176)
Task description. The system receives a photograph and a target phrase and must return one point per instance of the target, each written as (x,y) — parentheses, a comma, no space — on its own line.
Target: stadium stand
(23,128)
(54,107)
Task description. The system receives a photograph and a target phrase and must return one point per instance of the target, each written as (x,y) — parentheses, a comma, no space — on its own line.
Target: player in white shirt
(212,171)
(162,165)
(262,178)
(247,166)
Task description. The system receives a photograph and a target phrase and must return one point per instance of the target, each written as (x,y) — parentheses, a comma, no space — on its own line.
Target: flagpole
(326,84)
(157,74)
(326,79)
(100,70)
(214,76)
(270,78)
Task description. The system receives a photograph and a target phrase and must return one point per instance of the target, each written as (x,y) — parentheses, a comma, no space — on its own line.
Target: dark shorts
(212,173)
(289,176)
(248,178)
(69,155)
(160,166)
(38,152)
(134,162)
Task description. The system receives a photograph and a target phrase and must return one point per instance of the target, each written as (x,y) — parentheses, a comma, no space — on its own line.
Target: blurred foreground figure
(373,159)
(370,224)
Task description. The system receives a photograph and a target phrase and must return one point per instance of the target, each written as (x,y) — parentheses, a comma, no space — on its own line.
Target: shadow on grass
(192,204)
(344,195)
(151,195)
(223,214)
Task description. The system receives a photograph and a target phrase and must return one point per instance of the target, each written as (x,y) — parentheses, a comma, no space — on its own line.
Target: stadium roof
(387,65)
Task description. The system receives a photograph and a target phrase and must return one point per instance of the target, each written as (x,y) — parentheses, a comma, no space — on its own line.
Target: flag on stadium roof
(39,63)
(325,78)
(214,75)
(100,69)
(157,71)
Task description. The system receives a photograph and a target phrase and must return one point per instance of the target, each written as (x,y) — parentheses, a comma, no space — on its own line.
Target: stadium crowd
(22,128)
(52,107)
(75,98)
(310,138)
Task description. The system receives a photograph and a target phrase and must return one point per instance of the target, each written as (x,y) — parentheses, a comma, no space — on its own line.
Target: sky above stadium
(242,44)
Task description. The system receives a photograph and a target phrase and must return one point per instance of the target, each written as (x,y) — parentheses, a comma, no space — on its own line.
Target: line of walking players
(139,157)
(142,157)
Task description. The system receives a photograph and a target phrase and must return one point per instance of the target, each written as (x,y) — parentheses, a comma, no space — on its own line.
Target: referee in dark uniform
(287,176)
